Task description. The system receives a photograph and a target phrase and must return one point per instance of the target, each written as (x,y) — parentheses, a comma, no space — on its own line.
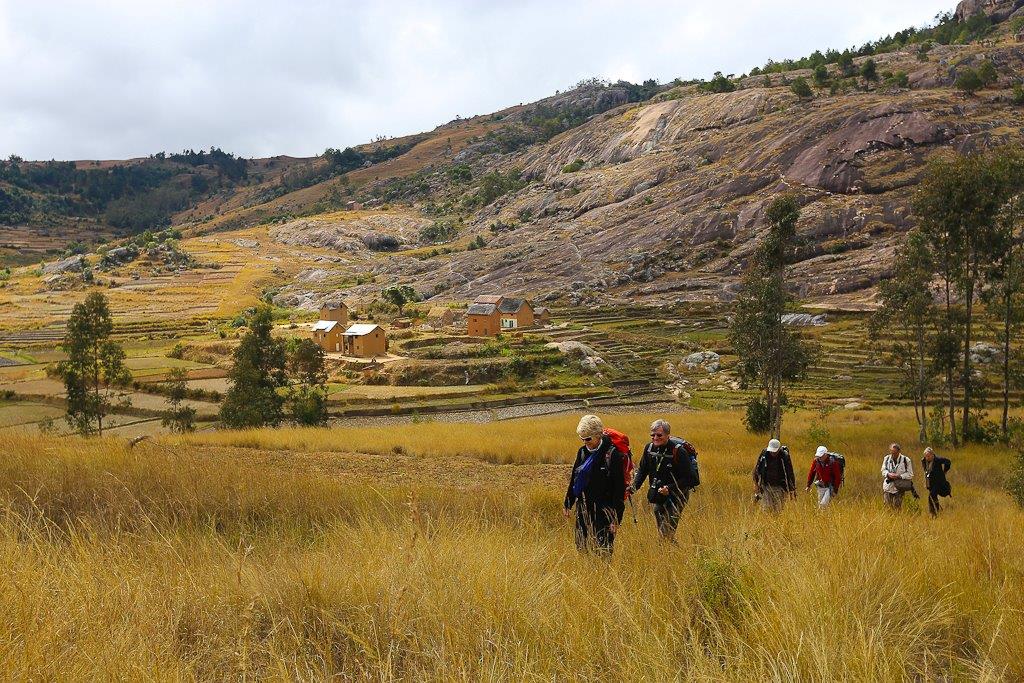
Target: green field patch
(23,412)
(159,363)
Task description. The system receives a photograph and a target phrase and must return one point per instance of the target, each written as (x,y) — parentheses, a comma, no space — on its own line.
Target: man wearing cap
(773,477)
(826,475)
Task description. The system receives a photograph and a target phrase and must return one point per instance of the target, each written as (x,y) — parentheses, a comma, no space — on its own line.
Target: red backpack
(621,443)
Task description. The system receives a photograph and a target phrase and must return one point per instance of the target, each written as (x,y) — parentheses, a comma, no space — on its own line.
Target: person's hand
(630,490)
(663,490)
(807,489)
(614,528)
(565,512)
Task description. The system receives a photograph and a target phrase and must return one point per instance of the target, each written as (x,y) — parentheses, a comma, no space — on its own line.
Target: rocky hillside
(644,192)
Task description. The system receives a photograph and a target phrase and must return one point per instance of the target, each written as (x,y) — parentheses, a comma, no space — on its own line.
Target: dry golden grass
(182,560)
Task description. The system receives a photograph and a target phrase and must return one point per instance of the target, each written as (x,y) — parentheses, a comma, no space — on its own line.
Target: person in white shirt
(897,477)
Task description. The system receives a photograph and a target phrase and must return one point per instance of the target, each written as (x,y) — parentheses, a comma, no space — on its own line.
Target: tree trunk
(1007,318)
(922,392)
(96,388)
(967,379)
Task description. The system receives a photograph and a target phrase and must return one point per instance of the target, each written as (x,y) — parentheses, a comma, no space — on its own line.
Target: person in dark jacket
(668,469)
(935,481)
(597,488)
(773,477)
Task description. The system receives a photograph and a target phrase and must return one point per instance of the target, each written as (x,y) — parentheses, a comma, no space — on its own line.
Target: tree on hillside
(845,63)
(399,295)
(905,321)
(307,391)
(770,354)
(801,89)
(958,203)
(178,418)
(969,81)
(821,75)
(719,84)
(1004,297)
(94,369)
(987,73)
(256,375)
(869,72)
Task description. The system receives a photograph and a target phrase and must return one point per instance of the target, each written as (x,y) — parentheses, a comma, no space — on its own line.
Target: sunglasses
(656,434)
(586,438)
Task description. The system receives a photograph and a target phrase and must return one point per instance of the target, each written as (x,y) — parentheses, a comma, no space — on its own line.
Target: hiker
(666,464)
(826,475)
(597,487)
(897,477)
(773,477)
(935,481)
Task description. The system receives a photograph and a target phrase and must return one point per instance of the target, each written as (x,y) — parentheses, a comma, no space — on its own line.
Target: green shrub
(758,418)
(821,75)
(573,166)
(1018,94)
(987,73)
(720,83)
(868,71)
(801,89)
(439,231)
(969,81)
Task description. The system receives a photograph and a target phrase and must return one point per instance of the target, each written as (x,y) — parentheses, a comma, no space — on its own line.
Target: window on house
(508,323)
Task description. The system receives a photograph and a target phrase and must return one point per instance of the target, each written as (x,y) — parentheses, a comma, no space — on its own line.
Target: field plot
(386,392)
(23,413)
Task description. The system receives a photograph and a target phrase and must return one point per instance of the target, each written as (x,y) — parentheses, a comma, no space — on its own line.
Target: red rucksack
(621,443)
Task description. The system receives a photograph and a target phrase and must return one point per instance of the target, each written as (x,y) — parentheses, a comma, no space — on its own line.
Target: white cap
(820,452)
(774,445)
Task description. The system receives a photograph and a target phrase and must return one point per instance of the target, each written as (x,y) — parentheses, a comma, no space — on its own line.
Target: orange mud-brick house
(364,340)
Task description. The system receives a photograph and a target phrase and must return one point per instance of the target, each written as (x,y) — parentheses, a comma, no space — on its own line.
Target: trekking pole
(632,509)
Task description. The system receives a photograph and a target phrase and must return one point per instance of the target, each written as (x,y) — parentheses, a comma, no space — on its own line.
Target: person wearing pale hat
(597,488)
(826,475)
(773,477)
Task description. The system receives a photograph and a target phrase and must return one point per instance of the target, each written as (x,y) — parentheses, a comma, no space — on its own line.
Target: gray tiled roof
(481,309)
(511,305)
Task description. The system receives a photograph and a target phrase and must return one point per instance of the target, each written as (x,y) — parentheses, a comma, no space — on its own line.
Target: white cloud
(125,78)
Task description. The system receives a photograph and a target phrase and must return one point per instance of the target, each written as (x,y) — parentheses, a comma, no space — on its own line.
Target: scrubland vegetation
(201,561)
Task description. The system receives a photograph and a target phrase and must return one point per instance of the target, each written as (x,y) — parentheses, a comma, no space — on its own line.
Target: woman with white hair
(597,488)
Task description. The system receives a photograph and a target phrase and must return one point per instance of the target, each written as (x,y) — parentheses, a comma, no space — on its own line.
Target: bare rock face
(832,162)
(72,264)
(384,231)
(999,10)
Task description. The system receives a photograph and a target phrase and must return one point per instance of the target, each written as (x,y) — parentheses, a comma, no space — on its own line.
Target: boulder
(708,360)
(72,264)
(983,353)
(804,320)
(999,10)
(120,255)
(573,348)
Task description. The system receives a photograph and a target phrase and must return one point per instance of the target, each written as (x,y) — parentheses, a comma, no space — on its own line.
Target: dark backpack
(762,462)
(690,453)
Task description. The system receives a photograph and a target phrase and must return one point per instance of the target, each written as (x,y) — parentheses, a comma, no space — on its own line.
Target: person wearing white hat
(773,477)
(826,475)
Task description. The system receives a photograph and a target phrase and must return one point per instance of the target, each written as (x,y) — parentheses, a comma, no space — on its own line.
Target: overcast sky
(117,79)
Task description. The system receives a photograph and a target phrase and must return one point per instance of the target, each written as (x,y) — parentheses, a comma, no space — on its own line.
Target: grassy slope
(200,561)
